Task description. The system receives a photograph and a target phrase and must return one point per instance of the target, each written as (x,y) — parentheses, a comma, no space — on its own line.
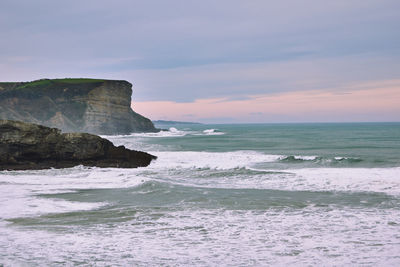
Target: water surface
(266,194)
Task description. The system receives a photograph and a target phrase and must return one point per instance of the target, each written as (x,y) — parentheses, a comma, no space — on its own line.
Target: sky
(224,61)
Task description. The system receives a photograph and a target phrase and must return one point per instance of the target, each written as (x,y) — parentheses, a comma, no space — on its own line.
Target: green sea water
(369,144)
(230,195)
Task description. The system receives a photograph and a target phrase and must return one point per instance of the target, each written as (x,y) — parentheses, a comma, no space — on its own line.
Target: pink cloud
(372,101)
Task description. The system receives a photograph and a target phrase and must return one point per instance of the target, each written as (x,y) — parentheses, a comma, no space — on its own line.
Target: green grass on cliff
(52,88)
(37,83)
(78,80)
(48,82)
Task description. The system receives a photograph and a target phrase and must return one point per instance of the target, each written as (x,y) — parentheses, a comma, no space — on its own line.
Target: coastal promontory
(74,105)
(26,146)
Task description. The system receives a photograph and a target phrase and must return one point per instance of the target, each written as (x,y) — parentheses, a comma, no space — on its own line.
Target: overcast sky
(217,61)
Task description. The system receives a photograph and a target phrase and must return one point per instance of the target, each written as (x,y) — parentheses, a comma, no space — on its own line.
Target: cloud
(237,81)
(376,101)
(256,113)
(181,51)
(176,33)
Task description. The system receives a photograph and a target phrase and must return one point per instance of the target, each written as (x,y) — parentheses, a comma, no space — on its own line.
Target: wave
(30,193)
(210,132)
(297,158)
(171,132)
(384,180)
(21,192)
(318,159)
(255,170)
(212,160)
(239,159)
(351,160)
(353,180)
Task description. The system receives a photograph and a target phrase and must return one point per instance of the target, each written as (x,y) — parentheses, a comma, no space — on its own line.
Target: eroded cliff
(74,105)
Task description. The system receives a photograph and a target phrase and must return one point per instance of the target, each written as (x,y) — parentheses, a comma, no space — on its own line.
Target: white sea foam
(299,157)
(212,160)
(19,190)
(386,180)
(218,237)
(292,236)
(210,132)
(171,132)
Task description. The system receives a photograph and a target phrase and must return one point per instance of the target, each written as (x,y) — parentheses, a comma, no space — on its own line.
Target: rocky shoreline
(27,146)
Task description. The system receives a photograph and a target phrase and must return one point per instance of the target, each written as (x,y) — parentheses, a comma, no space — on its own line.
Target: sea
(218,195)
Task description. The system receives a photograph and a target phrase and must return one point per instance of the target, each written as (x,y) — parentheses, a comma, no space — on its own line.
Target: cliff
(30,146)
(74,105)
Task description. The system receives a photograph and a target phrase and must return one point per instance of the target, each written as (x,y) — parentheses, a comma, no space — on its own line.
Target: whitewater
(248,195)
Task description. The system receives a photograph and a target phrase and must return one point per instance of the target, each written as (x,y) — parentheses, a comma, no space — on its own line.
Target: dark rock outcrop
(31,146)
(74,105)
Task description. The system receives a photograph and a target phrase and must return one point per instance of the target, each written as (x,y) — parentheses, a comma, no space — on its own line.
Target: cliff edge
(74,105)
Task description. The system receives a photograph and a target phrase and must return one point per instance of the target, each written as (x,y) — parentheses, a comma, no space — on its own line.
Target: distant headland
(74,105)
(162,122)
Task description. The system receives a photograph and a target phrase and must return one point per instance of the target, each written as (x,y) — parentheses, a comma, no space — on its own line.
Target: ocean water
(226,195)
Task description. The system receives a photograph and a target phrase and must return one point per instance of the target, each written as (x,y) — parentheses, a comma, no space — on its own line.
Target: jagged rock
(74,105)
(31,146)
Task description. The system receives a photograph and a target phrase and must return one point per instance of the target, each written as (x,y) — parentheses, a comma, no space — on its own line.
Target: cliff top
(42,82)
(49,86)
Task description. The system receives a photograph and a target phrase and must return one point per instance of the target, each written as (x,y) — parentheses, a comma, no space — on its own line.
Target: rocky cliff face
(30,146)
(74,105)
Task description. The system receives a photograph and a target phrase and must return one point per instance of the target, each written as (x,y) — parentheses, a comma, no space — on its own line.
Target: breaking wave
(319,159)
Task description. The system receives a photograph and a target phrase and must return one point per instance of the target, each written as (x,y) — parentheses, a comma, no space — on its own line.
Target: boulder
(30,146)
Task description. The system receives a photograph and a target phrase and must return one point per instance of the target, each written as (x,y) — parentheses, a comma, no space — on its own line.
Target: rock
(31,146)
(74,105)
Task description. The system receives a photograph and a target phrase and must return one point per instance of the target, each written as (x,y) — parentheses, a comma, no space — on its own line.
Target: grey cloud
(179,49)
(256,113)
